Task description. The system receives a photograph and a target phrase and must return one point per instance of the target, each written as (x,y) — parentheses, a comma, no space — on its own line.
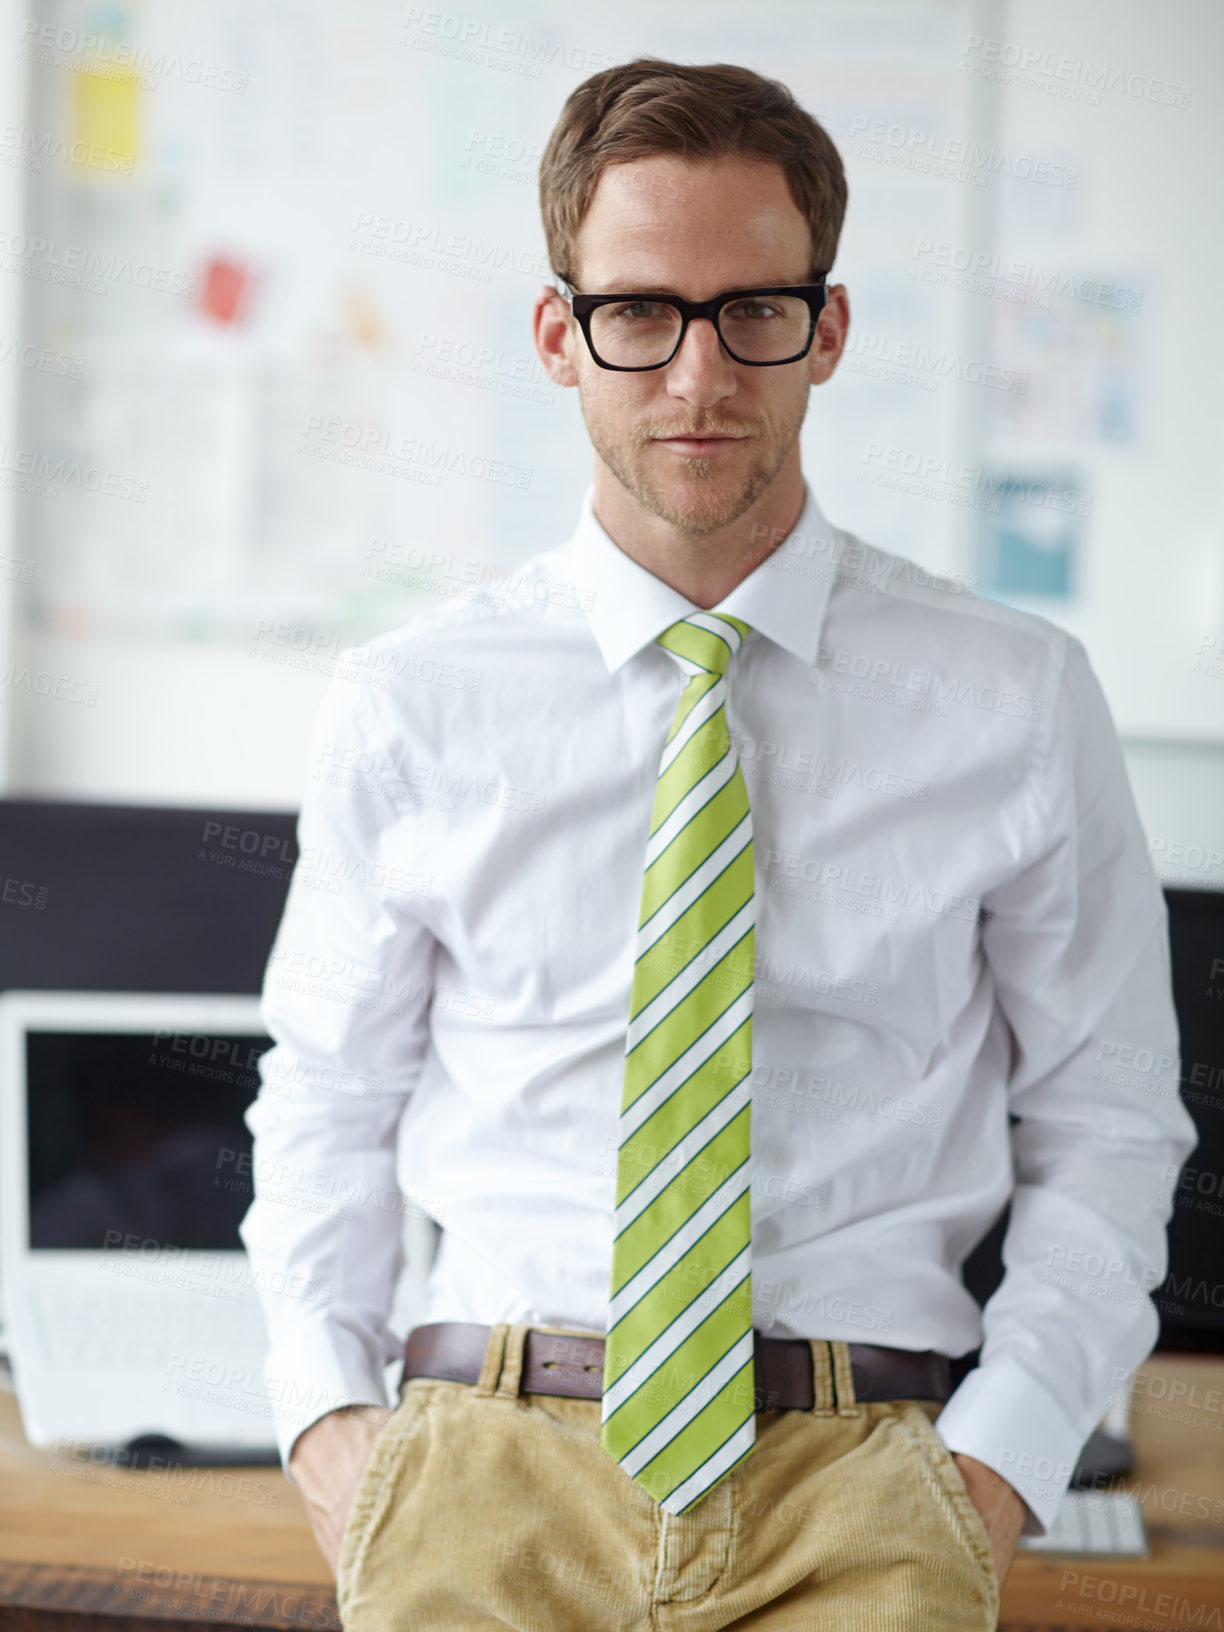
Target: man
(714,1001)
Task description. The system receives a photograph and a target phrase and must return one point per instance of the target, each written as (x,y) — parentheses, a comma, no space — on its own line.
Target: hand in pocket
(1002,1508)
(327,1463)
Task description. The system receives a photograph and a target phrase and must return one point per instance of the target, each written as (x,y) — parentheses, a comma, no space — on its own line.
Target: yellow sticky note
(107,118)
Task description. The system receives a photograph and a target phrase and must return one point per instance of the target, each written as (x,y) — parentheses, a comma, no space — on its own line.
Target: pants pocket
(968,1523)
(376,1487)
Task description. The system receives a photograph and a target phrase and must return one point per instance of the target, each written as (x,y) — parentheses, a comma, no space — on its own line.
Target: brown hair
(648,106)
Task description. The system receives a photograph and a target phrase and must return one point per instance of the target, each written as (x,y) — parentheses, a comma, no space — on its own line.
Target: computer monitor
(139,1134)
(1191,1297)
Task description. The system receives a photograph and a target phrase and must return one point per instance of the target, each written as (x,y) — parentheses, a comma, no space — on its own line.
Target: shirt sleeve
(346,1002)
(1077,942)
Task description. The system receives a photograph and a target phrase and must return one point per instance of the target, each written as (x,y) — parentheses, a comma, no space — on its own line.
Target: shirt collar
(784,597)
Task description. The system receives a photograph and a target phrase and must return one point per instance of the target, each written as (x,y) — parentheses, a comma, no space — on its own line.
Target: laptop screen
(139,1137)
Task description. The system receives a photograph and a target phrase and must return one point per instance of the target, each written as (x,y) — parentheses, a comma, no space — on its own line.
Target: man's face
(659,225)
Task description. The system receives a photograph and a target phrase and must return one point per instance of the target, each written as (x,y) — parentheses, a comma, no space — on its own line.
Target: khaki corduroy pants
(484,1508)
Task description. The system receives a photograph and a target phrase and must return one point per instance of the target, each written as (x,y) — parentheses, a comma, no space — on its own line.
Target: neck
(703,567)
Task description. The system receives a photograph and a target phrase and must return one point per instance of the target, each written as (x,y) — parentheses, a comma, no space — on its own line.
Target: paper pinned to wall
(1079,355)
(106,116)
(1030,534)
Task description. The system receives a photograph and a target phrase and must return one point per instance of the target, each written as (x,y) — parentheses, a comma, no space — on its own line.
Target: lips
(699,443)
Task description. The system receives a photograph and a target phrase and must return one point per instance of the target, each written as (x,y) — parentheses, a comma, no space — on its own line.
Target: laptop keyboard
(126,1331)
(1094,1522)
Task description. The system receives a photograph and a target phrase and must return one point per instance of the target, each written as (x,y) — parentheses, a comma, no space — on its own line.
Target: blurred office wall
(267,383)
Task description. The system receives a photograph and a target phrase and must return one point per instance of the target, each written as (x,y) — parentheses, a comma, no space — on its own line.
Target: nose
(701,372)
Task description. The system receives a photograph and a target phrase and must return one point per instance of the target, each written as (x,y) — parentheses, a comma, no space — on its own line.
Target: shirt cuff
(314,1370)
(1003,1417)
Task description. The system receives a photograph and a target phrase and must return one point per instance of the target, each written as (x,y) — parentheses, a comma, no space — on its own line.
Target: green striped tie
(678,1387)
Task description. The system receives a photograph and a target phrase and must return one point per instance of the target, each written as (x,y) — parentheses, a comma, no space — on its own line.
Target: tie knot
(705,640)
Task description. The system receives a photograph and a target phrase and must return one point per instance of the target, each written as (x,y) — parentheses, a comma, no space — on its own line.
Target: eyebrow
(663,294)
(635,289)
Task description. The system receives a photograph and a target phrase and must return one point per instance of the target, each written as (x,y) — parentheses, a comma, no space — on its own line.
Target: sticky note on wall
(107,122)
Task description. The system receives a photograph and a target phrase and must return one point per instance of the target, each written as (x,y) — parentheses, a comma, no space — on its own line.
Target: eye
(752,309)
(638,311)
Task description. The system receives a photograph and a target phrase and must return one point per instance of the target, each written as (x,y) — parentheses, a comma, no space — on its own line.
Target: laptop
(132,1317)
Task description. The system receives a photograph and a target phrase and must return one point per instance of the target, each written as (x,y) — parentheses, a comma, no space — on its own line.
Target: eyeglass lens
(758,329)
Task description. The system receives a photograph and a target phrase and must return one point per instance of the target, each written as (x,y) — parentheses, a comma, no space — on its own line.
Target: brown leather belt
(570,1364)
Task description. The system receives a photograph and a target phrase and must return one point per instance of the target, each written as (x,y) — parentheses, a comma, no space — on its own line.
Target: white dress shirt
(956,920)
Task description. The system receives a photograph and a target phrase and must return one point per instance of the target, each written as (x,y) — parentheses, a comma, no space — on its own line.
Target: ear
(829,341)
(553,328)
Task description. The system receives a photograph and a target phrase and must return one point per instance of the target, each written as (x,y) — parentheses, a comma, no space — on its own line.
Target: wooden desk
(88,1548)
(93,1548)
(1177,1423)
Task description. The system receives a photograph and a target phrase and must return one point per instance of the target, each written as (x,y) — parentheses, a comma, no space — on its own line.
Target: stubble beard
(701,500)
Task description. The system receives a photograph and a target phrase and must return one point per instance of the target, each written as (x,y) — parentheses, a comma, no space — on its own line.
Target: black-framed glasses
(761,327)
